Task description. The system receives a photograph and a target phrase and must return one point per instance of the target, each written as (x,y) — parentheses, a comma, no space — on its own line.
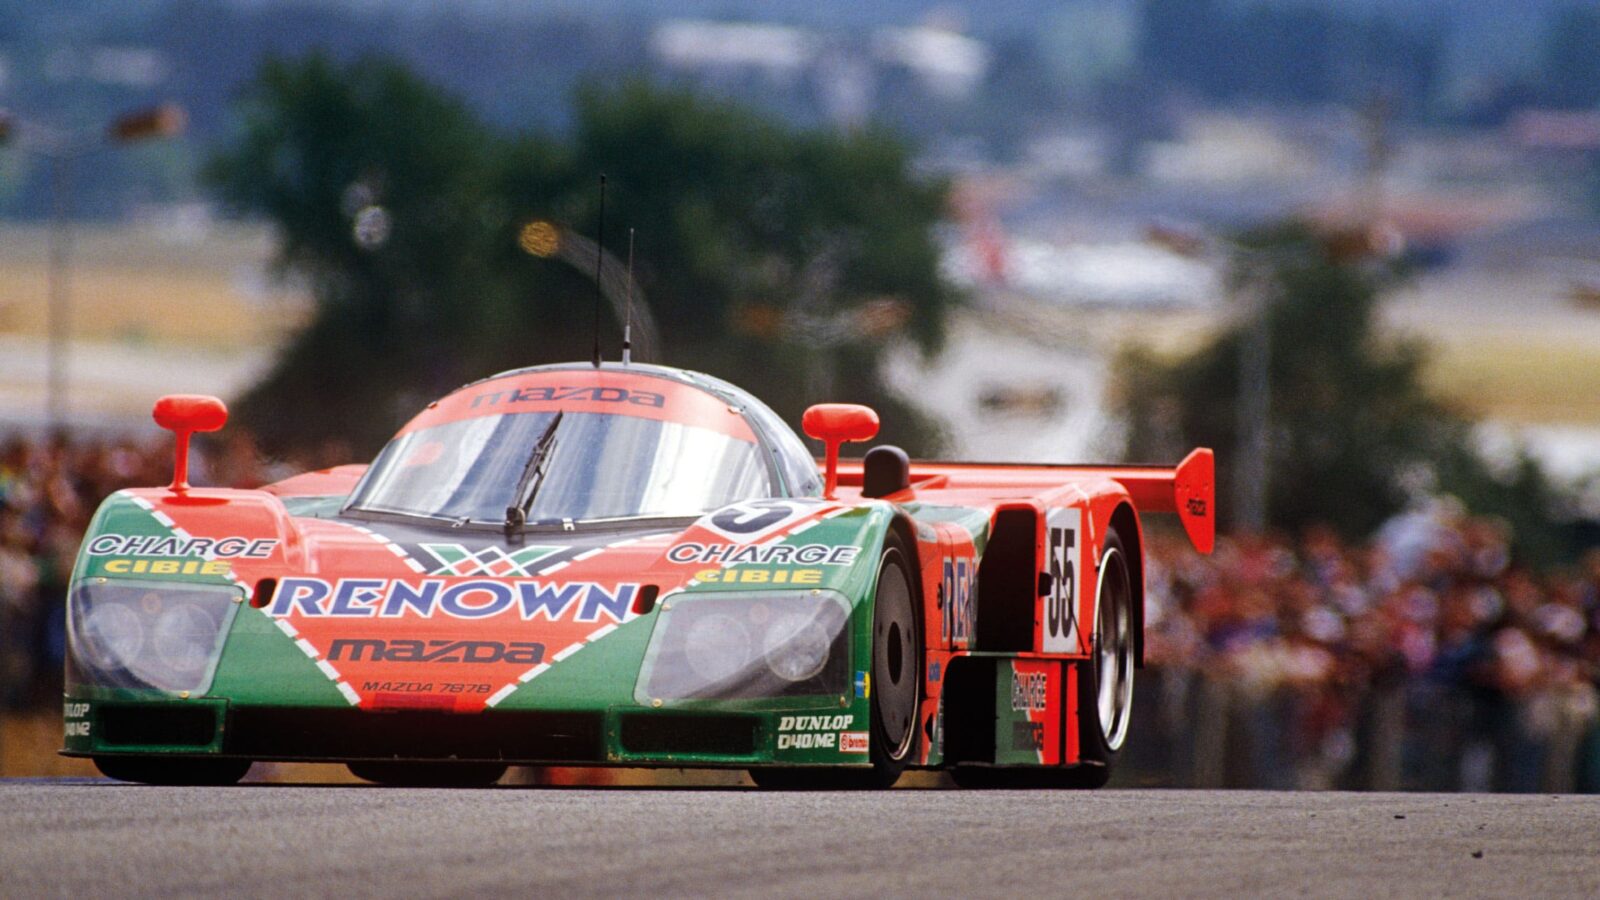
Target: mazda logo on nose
(527,653)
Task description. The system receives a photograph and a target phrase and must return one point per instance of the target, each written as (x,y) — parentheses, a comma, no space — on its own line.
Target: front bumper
(618,736)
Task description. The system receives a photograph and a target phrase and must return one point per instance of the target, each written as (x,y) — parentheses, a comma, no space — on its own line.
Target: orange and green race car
(620,565)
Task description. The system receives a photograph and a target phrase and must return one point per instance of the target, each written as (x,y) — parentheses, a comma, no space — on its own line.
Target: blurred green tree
(780,259)
(1354,433)
(375,186)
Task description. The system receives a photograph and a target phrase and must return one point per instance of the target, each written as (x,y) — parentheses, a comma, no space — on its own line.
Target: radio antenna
(599,260)
(627,320)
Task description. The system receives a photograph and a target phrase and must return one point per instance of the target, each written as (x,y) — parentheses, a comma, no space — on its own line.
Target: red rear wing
(1187,489)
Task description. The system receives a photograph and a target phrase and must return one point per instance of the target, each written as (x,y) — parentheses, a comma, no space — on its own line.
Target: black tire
(1112,654)
(429,774)
(172,770)
(1099,742)
(897,684)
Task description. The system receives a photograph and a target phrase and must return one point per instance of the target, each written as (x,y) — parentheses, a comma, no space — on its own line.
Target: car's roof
(650,392)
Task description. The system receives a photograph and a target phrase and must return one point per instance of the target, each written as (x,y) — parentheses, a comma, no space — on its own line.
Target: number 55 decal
(1061,604)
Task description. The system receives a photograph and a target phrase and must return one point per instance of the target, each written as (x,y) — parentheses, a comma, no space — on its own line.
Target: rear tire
(1105,683)
(428,774)
(172,770)
(1102,714)
(896,692)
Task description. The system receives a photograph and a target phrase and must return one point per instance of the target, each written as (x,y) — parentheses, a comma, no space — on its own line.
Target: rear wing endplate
(1188,489)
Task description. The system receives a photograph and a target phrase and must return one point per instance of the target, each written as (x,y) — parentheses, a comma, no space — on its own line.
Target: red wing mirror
(183,415)
(833,424)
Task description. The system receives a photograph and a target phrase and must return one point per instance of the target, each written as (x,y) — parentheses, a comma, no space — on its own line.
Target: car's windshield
(597,466)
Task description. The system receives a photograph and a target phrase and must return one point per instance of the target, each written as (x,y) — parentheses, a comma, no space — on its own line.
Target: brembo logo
(590,394)
(468,598)
(358,649)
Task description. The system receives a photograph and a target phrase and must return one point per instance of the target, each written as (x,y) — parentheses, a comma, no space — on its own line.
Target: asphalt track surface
(95,838)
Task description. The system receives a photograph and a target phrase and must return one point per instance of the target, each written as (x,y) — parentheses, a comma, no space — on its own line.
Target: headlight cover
(734,646)
(148,634)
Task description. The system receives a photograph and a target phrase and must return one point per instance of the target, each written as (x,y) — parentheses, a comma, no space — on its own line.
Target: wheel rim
(894,660)
(1113,661)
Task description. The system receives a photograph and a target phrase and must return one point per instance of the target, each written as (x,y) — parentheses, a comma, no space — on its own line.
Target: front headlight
(183,637)
(797,646)
(717,647)
(111,633)
(745,646)
(148,634)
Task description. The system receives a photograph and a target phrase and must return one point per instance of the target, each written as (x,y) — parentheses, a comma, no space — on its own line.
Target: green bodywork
(260,665)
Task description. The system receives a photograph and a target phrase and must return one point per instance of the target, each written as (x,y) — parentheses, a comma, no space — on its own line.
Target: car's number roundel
(753,519)
(1061,609)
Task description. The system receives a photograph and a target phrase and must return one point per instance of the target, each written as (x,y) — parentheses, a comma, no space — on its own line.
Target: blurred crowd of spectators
(1423,659)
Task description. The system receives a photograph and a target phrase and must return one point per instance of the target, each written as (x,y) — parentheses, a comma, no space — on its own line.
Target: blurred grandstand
(1425,659)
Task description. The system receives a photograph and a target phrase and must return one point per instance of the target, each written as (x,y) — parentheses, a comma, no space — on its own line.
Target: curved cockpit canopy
(573,443)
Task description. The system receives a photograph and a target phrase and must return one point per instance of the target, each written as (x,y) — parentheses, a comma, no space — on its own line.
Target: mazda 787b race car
(622,565)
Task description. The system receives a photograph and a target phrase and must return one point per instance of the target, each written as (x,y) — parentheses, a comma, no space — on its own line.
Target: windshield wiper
(532,477)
